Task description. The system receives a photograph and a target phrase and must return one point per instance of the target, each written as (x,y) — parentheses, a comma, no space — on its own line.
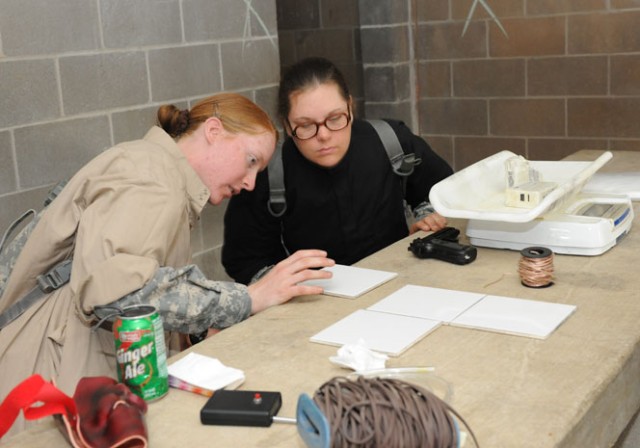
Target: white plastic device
(591,225)
(565,220)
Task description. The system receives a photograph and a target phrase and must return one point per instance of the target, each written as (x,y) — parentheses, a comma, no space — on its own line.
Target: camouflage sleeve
(261,273)
(189,302)
(423,209)
(10,249)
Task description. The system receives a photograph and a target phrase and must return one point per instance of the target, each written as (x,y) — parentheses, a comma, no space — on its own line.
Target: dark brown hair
(309,72)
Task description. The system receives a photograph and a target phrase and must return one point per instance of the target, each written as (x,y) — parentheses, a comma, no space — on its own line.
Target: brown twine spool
(536,267)
(387,412)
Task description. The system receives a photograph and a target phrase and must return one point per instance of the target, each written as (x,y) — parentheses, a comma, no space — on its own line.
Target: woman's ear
(212,128)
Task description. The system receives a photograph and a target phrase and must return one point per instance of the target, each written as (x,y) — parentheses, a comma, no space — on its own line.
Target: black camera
(443,245)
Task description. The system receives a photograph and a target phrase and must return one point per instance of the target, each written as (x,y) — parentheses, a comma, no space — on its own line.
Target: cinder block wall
(327,28)
(78,76)
(563,78)
(566,76)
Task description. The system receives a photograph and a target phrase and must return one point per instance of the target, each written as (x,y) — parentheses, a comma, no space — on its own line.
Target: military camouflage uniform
(189,302)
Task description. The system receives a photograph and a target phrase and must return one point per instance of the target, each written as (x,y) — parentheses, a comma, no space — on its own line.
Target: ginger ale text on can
(140,352)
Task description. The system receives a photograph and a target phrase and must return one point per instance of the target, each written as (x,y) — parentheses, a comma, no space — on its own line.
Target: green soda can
(140,352)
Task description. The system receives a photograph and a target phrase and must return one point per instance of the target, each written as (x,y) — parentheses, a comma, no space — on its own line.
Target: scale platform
(590,225)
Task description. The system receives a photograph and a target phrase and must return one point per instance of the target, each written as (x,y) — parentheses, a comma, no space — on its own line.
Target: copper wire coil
(536,267)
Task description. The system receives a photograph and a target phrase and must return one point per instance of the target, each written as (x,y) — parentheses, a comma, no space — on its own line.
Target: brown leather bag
(102,413)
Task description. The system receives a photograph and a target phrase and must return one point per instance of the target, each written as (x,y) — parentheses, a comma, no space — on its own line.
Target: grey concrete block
(298,14)
(142,22)
(339,13)
(264,18)
(354,75)
(383,13)
(267,98)
(398,111)
(44,26)
(184,72)
(202,20)
(50,152)
(379,82)
(337,45)
(133,124)
(249,64)
(385,44)
(287,48)
(387,83)
(29,92)
(7,165)
(103,81)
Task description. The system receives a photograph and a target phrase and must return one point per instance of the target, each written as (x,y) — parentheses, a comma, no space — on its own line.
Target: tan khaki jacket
(101,218)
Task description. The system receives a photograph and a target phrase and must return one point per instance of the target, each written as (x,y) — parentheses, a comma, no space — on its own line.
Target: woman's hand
(430,223)
(283,281)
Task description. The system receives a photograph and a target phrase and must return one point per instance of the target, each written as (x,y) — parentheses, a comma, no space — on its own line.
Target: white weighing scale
(565,220)
(589,226)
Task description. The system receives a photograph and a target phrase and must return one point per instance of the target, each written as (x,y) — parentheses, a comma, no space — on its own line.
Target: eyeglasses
(333,123)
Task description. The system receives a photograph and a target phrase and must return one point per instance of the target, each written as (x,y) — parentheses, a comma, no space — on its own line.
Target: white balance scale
(566,221)
(591,225)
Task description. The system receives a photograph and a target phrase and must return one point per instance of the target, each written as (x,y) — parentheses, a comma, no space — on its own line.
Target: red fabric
(110,415)
(102,413)
(36,398)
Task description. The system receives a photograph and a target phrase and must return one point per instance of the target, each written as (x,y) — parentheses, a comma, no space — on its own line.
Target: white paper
(515,316)
(382,332)
(350,281)
(359,357)
(205,372)
(427,303)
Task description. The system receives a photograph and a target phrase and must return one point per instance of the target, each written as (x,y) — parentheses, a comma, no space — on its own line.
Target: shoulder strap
(277,203)
(401,163)
(57,276)
(46,283)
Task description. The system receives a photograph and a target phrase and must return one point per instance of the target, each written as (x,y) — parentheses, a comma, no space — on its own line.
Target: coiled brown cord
(386,412)
(536,267)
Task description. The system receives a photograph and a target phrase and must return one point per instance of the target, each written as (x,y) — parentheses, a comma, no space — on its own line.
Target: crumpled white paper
(359,357)
(205,372)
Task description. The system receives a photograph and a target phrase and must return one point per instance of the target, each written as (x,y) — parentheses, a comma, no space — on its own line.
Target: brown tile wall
(549,87)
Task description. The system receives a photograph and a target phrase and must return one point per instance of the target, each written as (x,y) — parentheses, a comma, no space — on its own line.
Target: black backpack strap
(401,163)
(277,203)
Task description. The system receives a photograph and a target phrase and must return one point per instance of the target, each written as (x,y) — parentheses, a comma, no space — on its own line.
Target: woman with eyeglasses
(342,194)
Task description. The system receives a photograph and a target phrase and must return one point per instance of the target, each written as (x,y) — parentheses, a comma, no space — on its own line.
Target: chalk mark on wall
(247,25)
(487,8)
